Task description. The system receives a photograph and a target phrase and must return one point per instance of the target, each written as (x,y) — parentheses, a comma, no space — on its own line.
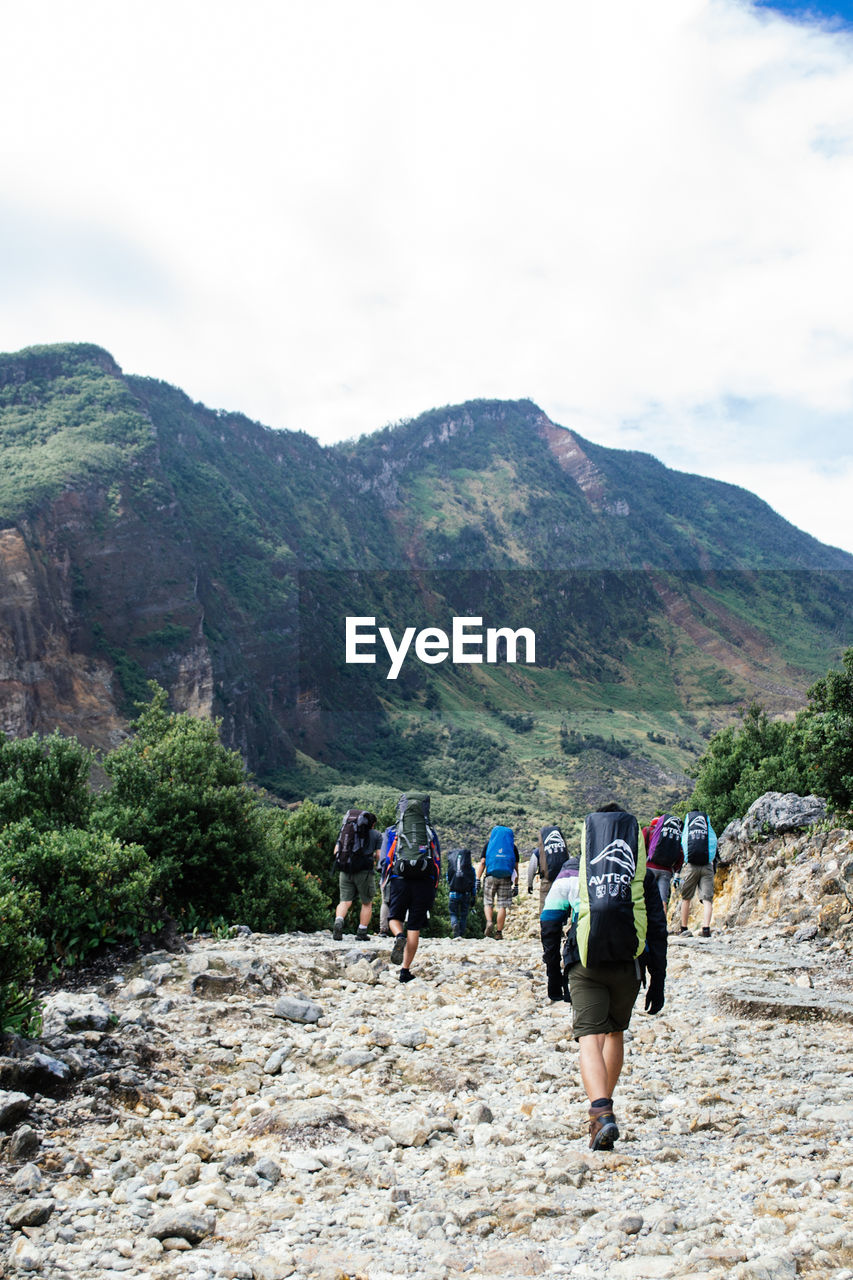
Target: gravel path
(180,1122)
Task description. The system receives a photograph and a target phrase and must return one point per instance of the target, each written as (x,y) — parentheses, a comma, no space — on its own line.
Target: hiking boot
(489,930)
(398,948)
(603,1130)
(499,933)
(405,976)
(338,931)
(361,934)
(706,932)
(684,929)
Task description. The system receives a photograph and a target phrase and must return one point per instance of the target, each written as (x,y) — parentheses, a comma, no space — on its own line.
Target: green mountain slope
(143,535)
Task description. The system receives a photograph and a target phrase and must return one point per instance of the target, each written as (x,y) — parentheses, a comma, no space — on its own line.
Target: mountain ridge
(143,535)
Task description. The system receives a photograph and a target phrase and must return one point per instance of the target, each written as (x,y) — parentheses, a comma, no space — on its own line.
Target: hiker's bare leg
(685,912)
(601,1058)
(501,917)
(593,1067)
(365,914)
(413,937)
(343,908)
(487,911)
(396,927)
(614,1056)
(707,912)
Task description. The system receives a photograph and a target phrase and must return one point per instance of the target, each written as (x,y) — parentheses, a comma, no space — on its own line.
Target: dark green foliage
(217,851)
(741,763)
(45,780)
(814,755)
(307,835)
(574,744)
(89,889)
(823,736)
(181,795)
(20,949)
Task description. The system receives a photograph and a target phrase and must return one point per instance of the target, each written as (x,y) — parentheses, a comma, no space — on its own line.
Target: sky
(334,215)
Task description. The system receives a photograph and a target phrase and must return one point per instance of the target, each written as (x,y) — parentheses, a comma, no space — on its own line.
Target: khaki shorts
(602,997)
(358,884)
(497,891)
(701,878)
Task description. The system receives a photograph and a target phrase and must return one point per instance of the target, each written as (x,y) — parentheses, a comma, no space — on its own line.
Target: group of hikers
(603,911)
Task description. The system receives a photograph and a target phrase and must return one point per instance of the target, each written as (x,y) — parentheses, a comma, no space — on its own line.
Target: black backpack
(698,843)
(552,852)
(460,871)
(665,848)
(353,839)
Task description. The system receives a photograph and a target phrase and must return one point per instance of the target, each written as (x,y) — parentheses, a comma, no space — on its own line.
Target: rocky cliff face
(144,536)
(786,863)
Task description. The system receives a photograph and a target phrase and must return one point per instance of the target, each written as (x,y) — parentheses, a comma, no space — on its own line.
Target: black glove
(654,996)
(515,891)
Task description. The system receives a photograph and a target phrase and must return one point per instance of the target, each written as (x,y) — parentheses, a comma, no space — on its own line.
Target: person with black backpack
(415,867)
(462,886)
(546,860)
(699,843)
(617,934)
(356,851)
(664,854)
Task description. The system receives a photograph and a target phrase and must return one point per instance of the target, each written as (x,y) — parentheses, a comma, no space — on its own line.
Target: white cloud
(353,213)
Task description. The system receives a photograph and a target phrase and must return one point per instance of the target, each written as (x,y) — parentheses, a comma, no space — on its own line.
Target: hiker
(546,859)
(384,878)
(462,885)
(664,854)
(699,844)
(562,896)
(617,933)
(415,867)
(496,871)
(356,853)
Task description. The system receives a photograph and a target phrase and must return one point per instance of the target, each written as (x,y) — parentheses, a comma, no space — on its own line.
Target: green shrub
(178,792)
(20,950)
(45,780)
(281,897)
(89,890)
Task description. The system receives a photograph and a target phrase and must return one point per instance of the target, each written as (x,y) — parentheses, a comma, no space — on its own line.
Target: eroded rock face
(774,868)
(436,1129)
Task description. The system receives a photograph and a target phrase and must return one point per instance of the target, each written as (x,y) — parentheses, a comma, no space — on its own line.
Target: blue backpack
(500,853)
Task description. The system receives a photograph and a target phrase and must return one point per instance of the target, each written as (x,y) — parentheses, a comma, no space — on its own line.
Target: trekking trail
(275,1106)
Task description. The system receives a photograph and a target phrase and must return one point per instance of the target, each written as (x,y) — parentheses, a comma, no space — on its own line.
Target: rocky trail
(274,1106)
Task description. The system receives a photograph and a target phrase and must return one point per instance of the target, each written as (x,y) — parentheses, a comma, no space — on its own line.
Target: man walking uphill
(497,869)
(355,854)
(699,842)
(415,862)
(618,932)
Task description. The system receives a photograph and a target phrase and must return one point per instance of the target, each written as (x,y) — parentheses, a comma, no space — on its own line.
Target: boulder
(774,813)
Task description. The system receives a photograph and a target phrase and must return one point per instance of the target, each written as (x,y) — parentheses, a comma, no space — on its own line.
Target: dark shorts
(602,998)
(410,900)
(356,884)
